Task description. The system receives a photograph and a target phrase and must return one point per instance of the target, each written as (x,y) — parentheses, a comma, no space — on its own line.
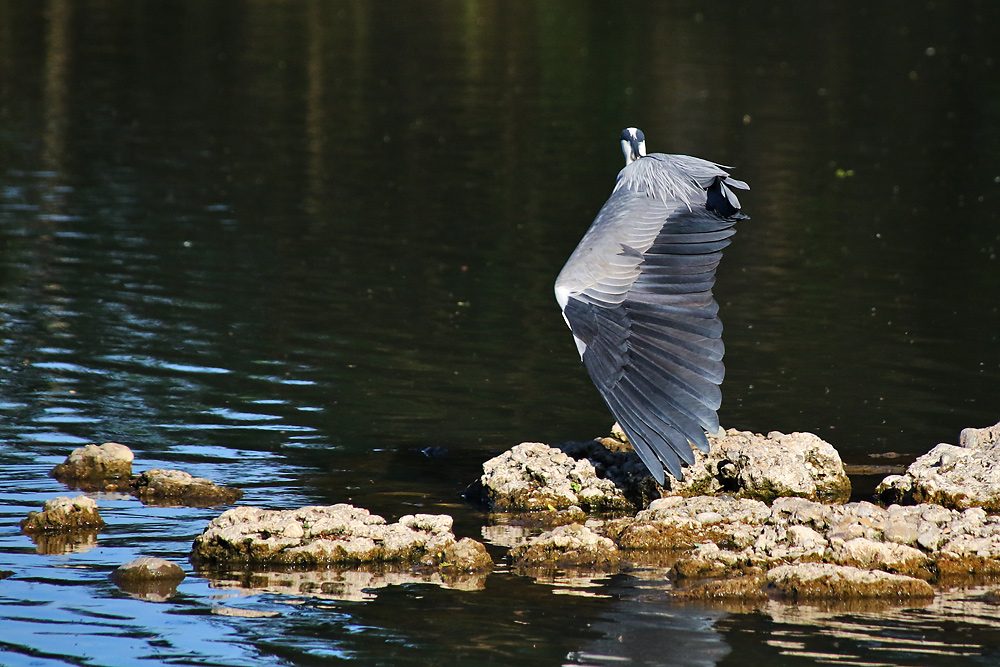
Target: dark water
(291,245)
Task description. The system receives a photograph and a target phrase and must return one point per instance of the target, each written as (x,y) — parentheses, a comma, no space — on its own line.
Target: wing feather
(638,293)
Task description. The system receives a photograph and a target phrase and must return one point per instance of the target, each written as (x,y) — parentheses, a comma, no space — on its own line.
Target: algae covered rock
(321,535)
(951,476)
(825,581)
(573,545)
(176,487)
(64,514)
(105,467)
(533,476)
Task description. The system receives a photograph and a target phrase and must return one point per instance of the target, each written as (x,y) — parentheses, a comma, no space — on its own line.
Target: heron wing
(649,332)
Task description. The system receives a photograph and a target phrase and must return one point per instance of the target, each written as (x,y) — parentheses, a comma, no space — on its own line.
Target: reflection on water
(306,249)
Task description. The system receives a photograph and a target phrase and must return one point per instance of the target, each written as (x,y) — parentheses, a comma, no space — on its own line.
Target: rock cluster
(336,534)
(603,475)
(108,467)
(927,541)
(956,477)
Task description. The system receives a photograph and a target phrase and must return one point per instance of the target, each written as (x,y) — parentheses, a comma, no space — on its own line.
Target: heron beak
(638,149)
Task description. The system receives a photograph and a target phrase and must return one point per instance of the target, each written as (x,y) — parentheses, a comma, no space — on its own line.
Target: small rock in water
(147,569)
(176,487)
(64,514)
(147,578)
(955,477)
(104,467)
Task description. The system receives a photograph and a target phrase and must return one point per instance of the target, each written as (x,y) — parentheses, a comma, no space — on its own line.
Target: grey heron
(637,295)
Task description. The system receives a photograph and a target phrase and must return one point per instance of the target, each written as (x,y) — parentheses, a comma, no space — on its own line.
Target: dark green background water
(291,245)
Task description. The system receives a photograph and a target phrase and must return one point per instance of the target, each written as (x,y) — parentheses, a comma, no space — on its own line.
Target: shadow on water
(307,249)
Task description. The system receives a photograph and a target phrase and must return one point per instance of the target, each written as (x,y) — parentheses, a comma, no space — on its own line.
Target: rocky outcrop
(336,534)
(778,465)
(64,514)
(606,475)
(726,537)
(106,467)
(954,477)
(176,487)
(533,476)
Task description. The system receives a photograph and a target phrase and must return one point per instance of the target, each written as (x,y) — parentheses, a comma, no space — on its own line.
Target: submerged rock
(176,487)
(322,535)
(147,578)
(64,514)
(104,467)
(955,477)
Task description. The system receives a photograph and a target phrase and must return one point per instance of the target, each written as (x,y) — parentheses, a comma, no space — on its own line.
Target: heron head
(633,144)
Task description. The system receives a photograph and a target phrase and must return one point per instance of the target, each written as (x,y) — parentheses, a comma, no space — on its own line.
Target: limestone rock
(533,476)
(321,535)
(980,438)
(955,477)
(732,537)
(826,581)
(176,487)
(745,590)
(676,522)
(64,514)
(104,467)
(566,546)
(466,555)
(869,554)
(749,465)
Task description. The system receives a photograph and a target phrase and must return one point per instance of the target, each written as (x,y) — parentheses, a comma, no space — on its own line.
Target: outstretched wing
(646,323)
